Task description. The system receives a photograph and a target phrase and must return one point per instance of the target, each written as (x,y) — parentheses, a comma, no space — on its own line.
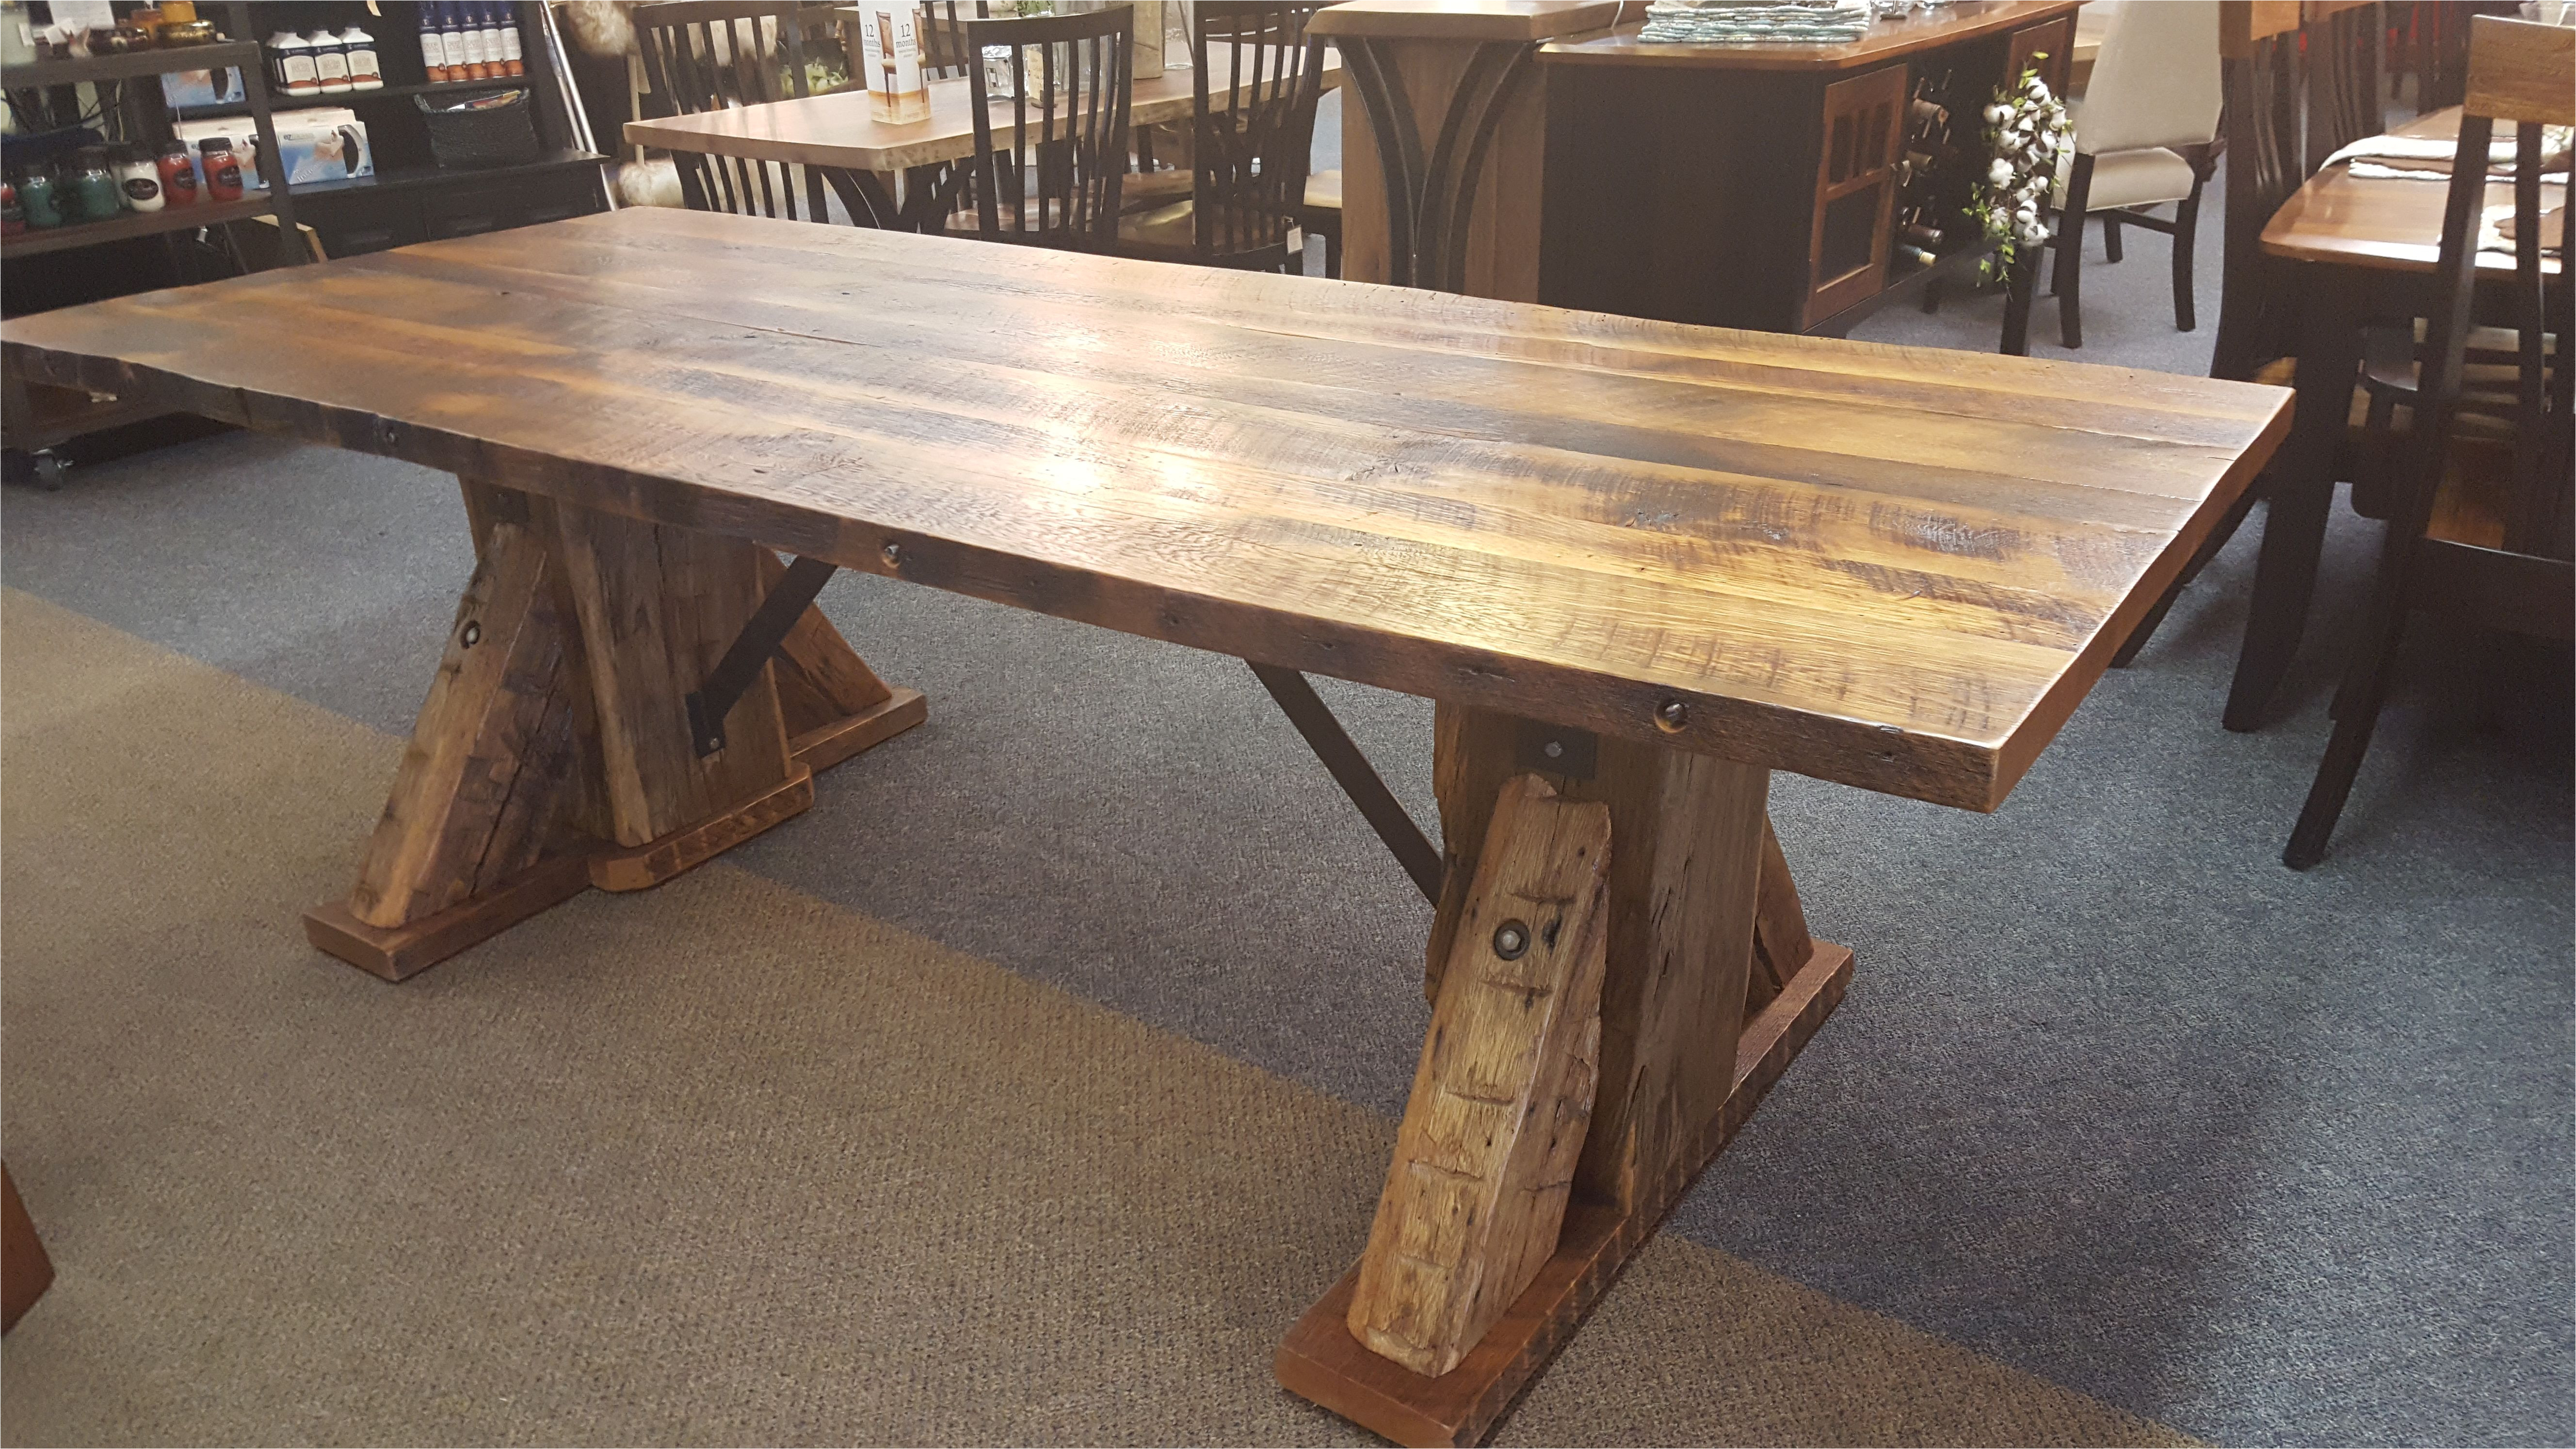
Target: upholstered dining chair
(2154,95)
(2495,545)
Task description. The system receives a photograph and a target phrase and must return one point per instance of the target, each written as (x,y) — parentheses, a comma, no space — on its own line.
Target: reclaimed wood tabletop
(1896,568)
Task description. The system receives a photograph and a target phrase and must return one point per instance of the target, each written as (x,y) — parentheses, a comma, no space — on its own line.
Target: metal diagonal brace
(1351,770)
(761,635)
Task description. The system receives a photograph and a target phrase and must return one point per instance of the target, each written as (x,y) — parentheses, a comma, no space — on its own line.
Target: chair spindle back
(709,55)
(1054,179)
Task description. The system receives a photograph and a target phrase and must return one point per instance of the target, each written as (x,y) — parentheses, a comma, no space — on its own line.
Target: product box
(890,44)
(222,87)
(324,143)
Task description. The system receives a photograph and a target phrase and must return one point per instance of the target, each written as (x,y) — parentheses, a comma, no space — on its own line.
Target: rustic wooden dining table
(1640,566)
(891,176)
(2360,249)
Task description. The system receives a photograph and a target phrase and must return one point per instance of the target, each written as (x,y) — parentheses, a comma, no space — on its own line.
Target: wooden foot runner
(1708,987)
(554,753)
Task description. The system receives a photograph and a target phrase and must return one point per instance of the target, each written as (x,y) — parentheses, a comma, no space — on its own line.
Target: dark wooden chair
(945,53)
(1249,147)
(2500,556)
(1052,177)
(2347,70)
(708,55)
(2293,82)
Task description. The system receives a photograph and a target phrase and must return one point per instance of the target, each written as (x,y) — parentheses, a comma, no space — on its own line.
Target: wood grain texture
(26,1271)
(838,130)
(488,777)
(397,952)
(1891,38)
(1683,872)
(2522,70)
(1899,569)
(658,605)
(2388,224)
(1504,223)
(1322,1361)
(1781,945)
(829,743)
(1503,1092)
(641,867)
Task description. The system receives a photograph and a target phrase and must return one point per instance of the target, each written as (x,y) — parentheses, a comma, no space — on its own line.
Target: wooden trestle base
(555,754)
(1619,969)
(1322,1361)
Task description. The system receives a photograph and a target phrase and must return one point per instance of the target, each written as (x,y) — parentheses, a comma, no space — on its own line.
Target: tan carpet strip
(717,1163)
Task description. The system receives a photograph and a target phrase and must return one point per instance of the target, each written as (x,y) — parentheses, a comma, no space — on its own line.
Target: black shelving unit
(411,198)
(36,420)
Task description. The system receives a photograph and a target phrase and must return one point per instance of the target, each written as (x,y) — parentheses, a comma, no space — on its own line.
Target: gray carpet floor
(2269,1157)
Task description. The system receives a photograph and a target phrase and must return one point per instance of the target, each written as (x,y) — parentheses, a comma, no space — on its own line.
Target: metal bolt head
(1554,749)
(1511,940)
(473,634)
(1671,716)
(893,553)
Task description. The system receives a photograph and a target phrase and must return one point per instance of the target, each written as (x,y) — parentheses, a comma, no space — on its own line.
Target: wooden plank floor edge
(1322,1362)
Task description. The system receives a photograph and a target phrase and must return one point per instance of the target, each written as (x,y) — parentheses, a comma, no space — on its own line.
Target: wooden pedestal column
(1707,987)
(554,752)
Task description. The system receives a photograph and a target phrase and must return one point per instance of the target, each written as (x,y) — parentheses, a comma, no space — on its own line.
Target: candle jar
(221,167)
(99,197)
(178,175)
(36,198)
(139,178)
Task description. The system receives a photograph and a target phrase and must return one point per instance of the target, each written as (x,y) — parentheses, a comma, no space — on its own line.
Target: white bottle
(330,62)
(295,72)
(477,62)
(510,61)
(488,31)
(366,73)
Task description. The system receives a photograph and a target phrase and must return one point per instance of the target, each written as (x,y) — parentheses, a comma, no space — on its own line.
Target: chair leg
(2364,690)
(2186,229)
(2068,282)
(2111,251)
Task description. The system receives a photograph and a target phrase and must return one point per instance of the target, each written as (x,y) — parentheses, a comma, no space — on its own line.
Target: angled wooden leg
(554,752)
(480,830)
(1503,1092)
(1680,1066)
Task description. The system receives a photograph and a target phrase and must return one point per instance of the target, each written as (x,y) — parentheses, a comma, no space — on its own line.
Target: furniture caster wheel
(49,471)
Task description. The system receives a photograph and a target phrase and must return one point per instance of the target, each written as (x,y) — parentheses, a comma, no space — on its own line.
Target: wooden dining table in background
(1639,565)
(889,175)
(2359,249)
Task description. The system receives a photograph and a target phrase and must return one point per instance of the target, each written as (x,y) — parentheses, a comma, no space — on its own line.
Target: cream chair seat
(2153,97)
